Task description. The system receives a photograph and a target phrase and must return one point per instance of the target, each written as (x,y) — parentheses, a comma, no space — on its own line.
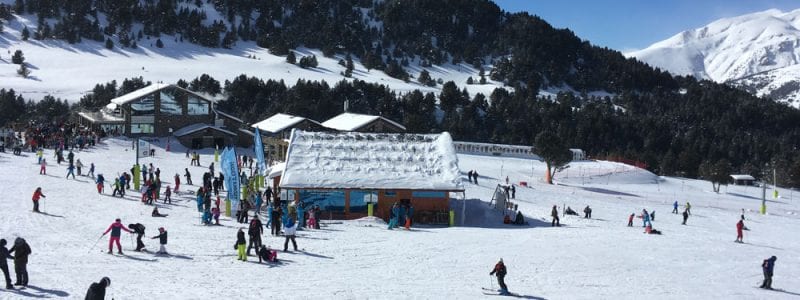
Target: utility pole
(774,183)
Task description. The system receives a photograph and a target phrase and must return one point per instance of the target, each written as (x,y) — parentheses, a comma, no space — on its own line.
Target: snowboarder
(630,220)
(97,290)
(739,228)
(4,263)
(675,207)
(115,234)
(768,266)
(21,251)
(138,229)
(554,214)
(289,232)
(241,244)
(255,231)
(162,240)
(685,216)
(587,212)
(500,270)
(36,195)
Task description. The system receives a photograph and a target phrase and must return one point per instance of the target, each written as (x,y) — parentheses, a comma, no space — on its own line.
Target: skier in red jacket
(739,228)
(36,196)
(115,233)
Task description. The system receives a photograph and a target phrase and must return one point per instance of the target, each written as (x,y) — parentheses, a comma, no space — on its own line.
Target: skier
(4,263)
(188,176)
(645,217)
(167,195)
(688,208)
(500,270)
(91,170)
(768,266)
(276,221)
(43,167)
(587,212)
(36,195)
(241,244)
(71,171)
(675,207)
(79,166)
(117,188)
(475,174)
(556,220)
(267,254)
(513,192)
(739,228)
(97,290)
(289,232)
(21,251)
(115,234)
(630,220)
(100,183)
(177,182)
(653,215)
(255,231)
(215,215)
(139,230)
(162,240)
(685,216)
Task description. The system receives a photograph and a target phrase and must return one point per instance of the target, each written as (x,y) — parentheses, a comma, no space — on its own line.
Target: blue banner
(231,171)
(259,150)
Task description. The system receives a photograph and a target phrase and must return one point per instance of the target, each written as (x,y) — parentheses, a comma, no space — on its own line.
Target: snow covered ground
(596,258)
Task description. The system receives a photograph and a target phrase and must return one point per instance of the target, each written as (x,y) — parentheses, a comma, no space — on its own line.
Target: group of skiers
(401,213)
(117,227)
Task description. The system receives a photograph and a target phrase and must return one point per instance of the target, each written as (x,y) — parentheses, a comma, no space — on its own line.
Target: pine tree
(291,58)
(25,33)
(552,149)
(483,79)
(348,72)
(159,43)
(109,44)
(23,71)
(470,81)
(18,57)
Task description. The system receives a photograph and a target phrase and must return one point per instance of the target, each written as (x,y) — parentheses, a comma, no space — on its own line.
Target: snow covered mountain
(759,52)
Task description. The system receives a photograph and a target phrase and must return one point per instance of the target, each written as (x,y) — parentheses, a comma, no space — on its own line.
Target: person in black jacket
(21,251)
(4,264)
(241,243)
(255,232)
(768,266)
(138,229)
(97,290)
(162,240)
(500,270)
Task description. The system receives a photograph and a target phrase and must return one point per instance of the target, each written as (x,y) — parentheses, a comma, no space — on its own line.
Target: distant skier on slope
(162,240)
(685,216)
(556,220)
(675,207)
(500,270)
(739,228)
(36,196)
(115,229)
(630,219)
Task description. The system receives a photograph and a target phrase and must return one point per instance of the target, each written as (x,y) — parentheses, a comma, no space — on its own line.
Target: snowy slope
(69,71)
(731,48)
(599,258)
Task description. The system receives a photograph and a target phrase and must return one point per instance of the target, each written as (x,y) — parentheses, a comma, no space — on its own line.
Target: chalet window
(197,106)
(145,106)
(170,103)
(427,194)
(141,128)
(359,200)
(328,200)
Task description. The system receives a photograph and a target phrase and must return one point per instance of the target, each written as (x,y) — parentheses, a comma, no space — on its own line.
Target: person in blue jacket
(199,199)
(394,216)
(259,201)
(645,218)
(269,215)
(768,266)
(301,220)
(401,217)
(675,207)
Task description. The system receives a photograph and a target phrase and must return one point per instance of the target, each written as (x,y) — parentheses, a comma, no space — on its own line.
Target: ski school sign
(231,171)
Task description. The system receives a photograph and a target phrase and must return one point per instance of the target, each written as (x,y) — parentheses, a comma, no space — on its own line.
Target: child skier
(115,229)
(289,232)
(100,183)
(768,266)
(630,220)
(43,167)
(739,228)
(167,195)
(36,195)
(162,240)
(241,244)
(500,270)
(177,182)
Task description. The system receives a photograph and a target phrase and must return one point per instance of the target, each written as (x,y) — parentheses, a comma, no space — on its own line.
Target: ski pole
(95,242)
(491,282)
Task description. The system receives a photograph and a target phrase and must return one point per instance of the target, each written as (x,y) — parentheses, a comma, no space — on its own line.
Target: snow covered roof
(742,177)
(352,122)
(279,122)
(151,89)
(276,170)
(229,116)
(371,161)
(101,117)
(197,127)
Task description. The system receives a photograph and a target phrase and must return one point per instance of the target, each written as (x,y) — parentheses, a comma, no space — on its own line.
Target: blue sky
(635,24)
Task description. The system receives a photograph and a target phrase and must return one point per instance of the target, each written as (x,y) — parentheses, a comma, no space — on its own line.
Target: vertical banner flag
(259,150)
(229,157)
